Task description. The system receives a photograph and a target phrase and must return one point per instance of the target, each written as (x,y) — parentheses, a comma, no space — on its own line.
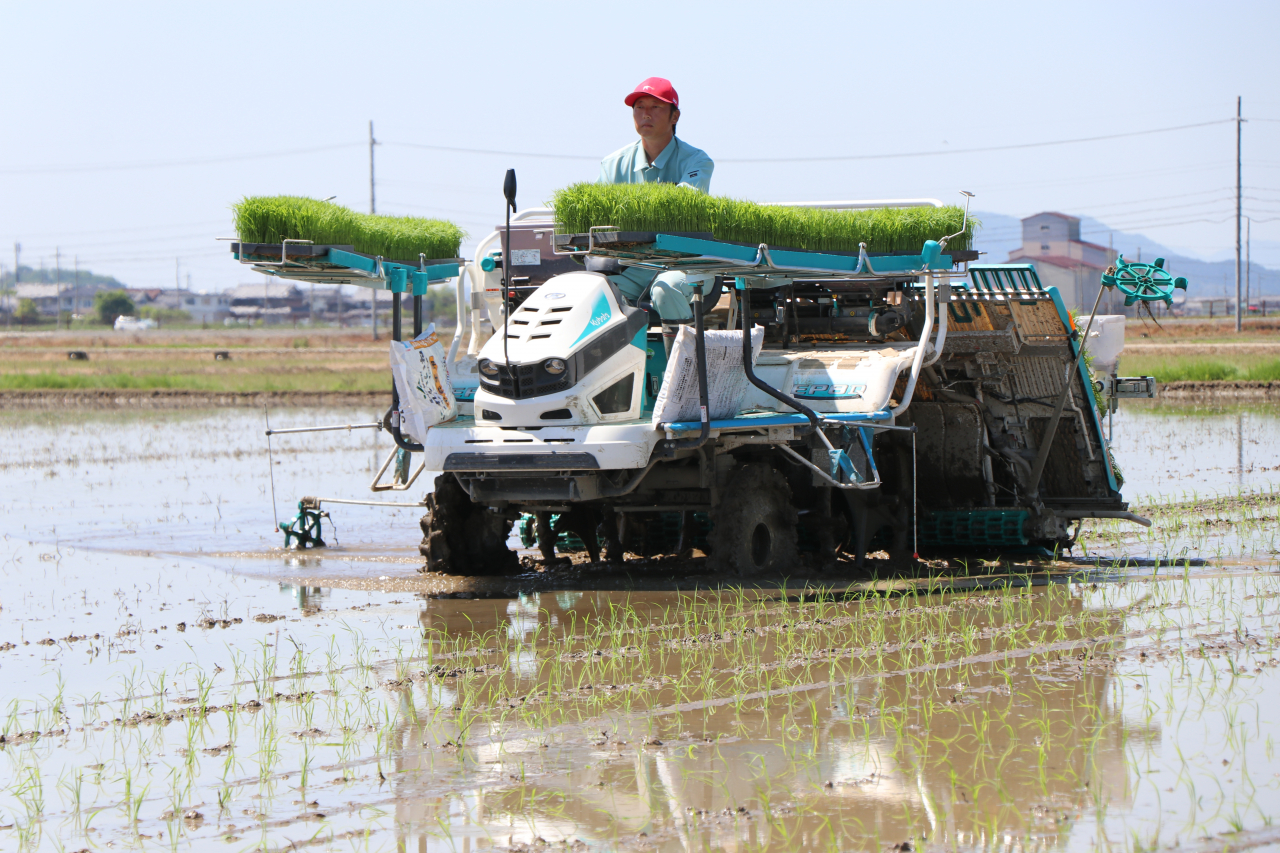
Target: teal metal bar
(784,419)
(1087,380)
(441,272)
(784,258)
(397,278)
(1006,278)
(398,275)
(351,260)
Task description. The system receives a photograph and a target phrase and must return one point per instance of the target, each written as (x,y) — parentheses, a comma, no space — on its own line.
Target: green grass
(668,207)
(1202,368)
(270,219)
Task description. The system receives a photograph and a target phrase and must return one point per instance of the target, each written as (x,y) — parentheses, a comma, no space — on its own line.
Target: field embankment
(196,369)
(255,367)
(1239,365)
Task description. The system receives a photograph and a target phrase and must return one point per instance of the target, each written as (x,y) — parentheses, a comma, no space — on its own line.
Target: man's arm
(697,174)
(614,168)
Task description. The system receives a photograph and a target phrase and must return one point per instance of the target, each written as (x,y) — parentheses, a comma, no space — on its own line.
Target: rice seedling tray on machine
(340,264)
(700,252)
(307,239)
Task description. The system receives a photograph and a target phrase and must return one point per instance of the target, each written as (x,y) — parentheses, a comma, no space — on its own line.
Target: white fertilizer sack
(726,381)
(422,381)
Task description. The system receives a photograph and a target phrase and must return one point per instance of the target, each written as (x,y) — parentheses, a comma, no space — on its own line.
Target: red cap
(655,87)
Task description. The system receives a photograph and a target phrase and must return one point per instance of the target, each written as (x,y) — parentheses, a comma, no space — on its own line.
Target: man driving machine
(658,156)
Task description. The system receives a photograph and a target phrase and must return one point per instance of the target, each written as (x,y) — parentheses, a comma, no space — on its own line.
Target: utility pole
(1248,261)
(1239,125)
(1111,248)
(373,208)
(373,198)
(57,278)
(17,253)
(75,293)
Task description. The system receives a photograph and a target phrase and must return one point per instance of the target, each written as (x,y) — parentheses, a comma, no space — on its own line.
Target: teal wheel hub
(1141,282)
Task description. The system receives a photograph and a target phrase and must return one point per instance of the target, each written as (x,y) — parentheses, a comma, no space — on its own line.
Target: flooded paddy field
(173,679)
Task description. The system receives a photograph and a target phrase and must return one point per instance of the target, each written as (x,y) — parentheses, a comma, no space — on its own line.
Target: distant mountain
(1000,234)
(49,276)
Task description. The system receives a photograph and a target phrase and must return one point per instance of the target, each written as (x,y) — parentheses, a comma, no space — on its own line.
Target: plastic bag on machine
(678,400)
(422,380)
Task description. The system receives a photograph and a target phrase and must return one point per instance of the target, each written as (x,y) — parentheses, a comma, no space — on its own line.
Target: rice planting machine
(917,404)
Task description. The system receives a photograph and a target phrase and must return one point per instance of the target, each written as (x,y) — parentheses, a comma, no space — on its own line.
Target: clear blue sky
(115,116)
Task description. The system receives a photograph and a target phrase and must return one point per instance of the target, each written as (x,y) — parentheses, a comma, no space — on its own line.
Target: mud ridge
(166,398)
(1227,388)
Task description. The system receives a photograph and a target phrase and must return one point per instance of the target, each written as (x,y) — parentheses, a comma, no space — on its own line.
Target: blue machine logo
(826,391)
(601,313)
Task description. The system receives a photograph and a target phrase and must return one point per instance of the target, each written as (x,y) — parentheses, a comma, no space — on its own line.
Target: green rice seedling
(670,208)
(271,219)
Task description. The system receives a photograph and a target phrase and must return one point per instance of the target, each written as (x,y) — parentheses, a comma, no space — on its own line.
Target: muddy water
(174,682)
(1177,452)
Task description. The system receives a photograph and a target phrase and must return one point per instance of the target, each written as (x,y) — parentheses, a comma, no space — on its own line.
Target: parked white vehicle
(125,323)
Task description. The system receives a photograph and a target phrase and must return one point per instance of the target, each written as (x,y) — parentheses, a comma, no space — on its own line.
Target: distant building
(202,306)
(1051,243)
(51,298)
(271,302)
(143,296)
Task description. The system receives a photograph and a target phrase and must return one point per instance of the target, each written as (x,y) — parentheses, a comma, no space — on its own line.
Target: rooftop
(269,290)
(1062,261)
(1052,213)
(39,290)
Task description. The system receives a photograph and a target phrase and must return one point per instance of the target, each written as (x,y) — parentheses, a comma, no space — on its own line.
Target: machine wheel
(461,538)
(754,528)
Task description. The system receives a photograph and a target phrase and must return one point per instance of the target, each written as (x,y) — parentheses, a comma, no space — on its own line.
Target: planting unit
(892,405)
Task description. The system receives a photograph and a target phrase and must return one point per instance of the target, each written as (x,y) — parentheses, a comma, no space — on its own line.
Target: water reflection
(952,731)
(309,599)
(1177,449)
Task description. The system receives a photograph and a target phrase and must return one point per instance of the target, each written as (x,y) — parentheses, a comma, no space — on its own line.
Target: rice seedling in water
(272,219)
(667,207)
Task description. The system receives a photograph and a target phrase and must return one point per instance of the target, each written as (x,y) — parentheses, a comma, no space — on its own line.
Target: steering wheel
(1141,282)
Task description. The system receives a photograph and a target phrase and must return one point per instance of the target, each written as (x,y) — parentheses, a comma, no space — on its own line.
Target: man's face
(654,119)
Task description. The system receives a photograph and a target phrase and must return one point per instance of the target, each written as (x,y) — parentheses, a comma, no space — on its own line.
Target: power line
(982,150)
(1156,198)
(237,158)
(446,149)
(169,164)
(150,241)
(833,158)
(147,228)
(1201,204)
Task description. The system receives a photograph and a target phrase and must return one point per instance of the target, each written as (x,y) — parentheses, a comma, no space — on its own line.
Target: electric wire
(837,157)
(171,164)
(238,158)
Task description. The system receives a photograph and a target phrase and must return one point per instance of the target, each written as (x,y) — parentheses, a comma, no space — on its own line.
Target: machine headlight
(554,366)
(488,368)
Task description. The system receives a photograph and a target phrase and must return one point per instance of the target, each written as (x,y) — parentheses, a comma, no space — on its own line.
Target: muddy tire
(754,528)
(461,538)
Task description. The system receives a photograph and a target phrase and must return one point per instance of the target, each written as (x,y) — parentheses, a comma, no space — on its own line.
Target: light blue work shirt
(679,163)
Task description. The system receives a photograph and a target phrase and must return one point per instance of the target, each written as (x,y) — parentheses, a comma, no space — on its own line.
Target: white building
(269,302)
(204,307)
(68,297)
(1051,243)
